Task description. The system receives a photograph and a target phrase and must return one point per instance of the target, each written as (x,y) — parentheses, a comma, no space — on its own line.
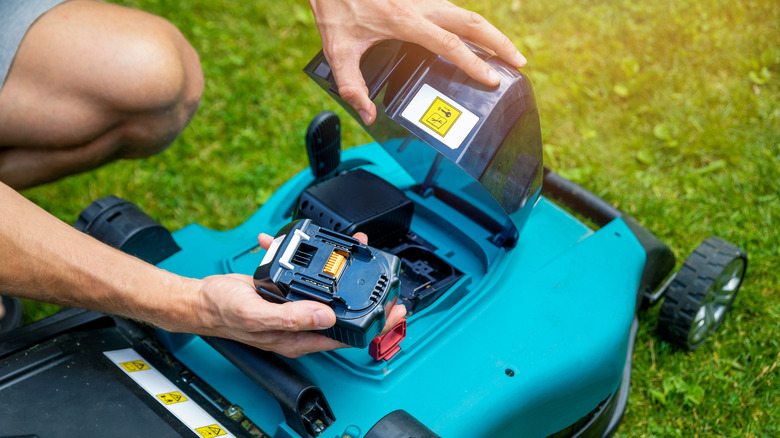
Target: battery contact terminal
(336,263)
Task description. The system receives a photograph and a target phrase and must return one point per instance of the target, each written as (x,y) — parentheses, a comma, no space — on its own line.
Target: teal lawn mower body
(529,341)
(535,332)
(521,317)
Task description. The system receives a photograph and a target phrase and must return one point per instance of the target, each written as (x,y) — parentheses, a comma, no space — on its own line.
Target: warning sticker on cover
(166,393)
(440,116)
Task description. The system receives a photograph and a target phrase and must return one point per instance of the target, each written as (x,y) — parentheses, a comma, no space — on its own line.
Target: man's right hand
(349,27)
(48,260)
(229,307)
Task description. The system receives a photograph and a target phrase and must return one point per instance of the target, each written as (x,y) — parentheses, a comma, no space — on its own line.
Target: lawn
(667,109)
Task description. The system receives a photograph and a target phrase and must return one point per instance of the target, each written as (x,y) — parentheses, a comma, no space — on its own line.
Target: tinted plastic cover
(490,133)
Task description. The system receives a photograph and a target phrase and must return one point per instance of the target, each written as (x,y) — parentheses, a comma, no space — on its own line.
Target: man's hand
(349,27)
(48,260)
(233,309)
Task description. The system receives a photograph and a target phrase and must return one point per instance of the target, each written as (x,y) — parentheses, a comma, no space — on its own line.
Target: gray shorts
(16,16)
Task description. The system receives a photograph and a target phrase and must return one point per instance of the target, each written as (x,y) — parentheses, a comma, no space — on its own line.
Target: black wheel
(13,314)
(702,292)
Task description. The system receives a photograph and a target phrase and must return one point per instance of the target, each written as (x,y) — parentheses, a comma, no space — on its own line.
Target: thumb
(352,87)
(265,240)
(300,316)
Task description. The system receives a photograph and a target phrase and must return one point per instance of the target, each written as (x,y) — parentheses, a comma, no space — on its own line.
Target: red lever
(386,346)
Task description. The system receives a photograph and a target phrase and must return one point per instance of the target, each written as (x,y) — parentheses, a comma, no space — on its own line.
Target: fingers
(287,329)
(352,87)
(441,36)
(395,315)
(474,27)
(293,344)
(231,301)
(305,343)
(298,316)
(349,27)
(450,46)
(264,240)
(283,328)
(362,237)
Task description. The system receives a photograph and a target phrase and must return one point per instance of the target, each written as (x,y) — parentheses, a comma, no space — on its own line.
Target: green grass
(668,109)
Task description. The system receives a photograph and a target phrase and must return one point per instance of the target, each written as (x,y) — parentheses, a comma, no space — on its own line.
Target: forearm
(47,260)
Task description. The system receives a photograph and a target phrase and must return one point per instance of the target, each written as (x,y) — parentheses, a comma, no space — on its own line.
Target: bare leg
(93,82)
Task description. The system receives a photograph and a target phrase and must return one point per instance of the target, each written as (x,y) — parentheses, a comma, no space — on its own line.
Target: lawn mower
(522,289)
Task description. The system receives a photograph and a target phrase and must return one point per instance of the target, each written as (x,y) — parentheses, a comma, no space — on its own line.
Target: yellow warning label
(210,431)
(135,365)
(440,116)
(171,397)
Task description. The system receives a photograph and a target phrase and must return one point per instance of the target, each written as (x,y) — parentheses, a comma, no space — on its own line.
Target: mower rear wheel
(702,292)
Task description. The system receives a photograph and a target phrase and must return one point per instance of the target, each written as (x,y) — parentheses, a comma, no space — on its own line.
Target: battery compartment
(385,213)
(424,275)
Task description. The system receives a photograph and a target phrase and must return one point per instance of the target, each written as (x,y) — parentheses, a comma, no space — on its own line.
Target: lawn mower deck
(521,317)
(493,336)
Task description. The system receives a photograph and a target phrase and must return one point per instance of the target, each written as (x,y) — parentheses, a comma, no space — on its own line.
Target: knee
(162,88)
(135,70)
(93,82)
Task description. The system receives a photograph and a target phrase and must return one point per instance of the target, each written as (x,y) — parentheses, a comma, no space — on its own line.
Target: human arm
(349,27)
(47,260)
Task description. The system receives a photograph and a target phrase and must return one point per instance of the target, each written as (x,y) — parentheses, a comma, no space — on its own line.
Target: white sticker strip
(168,394)
(440,116)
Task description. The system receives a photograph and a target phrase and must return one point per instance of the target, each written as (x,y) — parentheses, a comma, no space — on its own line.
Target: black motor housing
(358,201)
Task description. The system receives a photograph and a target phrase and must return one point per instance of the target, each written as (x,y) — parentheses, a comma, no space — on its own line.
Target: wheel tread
(686,293)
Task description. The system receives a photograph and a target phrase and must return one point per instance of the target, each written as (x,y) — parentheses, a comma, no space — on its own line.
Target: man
(86,82)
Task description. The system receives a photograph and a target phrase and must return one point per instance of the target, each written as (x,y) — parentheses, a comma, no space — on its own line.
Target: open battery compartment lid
(428,110)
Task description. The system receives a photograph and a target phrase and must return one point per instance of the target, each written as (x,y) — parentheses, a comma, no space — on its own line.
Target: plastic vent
(379,289)
(304,255)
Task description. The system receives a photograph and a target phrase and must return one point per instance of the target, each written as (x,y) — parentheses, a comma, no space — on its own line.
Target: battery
(360,283)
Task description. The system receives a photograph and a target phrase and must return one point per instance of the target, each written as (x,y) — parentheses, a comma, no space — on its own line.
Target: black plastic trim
(605,424)
(123,225)
(400,424)
(603,421)
(323,145)
(578,199)
(53,354)
(13,314)
(303,404)
(659,262)
(504,235)
(64,321)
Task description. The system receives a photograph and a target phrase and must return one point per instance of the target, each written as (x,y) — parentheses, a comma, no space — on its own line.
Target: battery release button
(386,346)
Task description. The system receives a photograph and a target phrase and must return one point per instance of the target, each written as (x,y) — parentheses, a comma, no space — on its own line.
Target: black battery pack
(360,283)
